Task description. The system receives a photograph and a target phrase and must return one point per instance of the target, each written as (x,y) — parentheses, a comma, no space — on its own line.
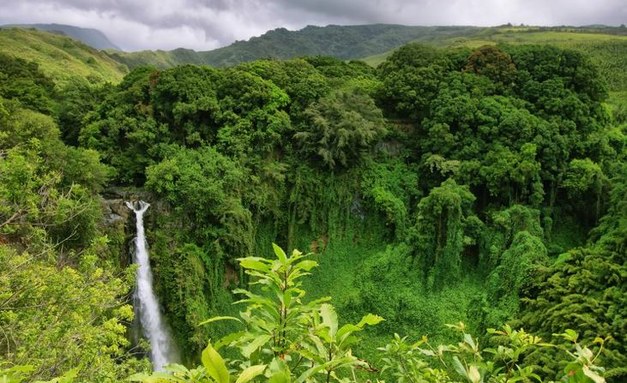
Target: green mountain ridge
(369,42)
(344,42)
(90,36)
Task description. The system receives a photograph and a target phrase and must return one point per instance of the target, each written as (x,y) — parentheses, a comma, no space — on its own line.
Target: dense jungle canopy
(485,185)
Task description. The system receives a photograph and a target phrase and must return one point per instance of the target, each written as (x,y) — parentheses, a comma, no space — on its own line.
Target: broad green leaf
(286,298)
(254,263)
(140,377)
(329,318)
(469,341)
(214,364)
(310,372)
(370,319)
(525,375)
(229,339)
(569,335)
(68,377)
(309,351)
(176,368)
(348,341)
(345,331)
(459,367)
(14,374)
(21,369)
(280,377)
(279,372)
(279,253)
(307,265)
(250,373)
(473,374)
(215,319)
(254,345)
(322,350)
(593,375)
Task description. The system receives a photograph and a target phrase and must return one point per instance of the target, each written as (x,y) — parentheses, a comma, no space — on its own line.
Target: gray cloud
(208,24)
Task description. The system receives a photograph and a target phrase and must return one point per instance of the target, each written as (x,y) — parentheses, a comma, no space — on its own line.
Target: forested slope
(473,166)
(63,296)
(483,185)
(345,42)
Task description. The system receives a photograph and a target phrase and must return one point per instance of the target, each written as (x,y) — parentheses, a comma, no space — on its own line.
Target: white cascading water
(161,351)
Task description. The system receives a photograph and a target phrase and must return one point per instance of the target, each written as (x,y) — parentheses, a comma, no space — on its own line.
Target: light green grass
(556,37)
(375,60)
(60,57)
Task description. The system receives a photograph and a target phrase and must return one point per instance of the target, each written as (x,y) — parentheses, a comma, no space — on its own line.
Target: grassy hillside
(159,58)
(61,57)
(92,37)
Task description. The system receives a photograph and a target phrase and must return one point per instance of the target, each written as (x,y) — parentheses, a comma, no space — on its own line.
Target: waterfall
(153,325)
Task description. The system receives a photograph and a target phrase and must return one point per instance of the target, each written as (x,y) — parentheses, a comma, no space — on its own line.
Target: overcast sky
(208,24)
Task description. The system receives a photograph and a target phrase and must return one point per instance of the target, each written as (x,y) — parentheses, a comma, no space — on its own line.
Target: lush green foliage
(283,336)
(62,306)
(585,288)
(446,185)
(341,127)
(423,362)
(287,339)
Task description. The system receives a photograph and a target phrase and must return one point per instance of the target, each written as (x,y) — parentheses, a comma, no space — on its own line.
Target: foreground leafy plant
(422,362)
(285,339)
(20,373)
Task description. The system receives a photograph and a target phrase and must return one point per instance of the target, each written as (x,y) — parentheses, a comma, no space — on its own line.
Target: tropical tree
(341,128)
(439,233)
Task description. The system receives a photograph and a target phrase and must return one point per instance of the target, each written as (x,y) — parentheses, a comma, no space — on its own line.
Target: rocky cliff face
(119,221)
(115,211)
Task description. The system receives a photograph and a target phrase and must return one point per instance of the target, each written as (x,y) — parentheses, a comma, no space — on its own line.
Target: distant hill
(92,37)
(373,43)
(61,57)
(606,46)
(345,42)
